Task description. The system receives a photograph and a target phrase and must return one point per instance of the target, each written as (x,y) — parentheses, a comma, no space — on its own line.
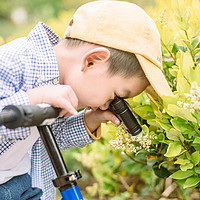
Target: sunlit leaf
(164,123)
(181,125)
(181,161)
(146,112)
(187,64)
(192,181)
(187,166)
(182,174)
(175,135)
(174,149)
(195,157)
(195,41)
(194,74)
(185,114)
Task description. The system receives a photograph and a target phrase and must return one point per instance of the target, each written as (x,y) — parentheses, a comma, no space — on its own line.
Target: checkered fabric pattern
(27,63)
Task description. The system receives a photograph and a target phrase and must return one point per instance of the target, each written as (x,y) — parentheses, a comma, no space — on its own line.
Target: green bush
(170,143)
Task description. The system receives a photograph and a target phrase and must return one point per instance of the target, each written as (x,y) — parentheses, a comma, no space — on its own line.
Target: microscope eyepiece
(121,109)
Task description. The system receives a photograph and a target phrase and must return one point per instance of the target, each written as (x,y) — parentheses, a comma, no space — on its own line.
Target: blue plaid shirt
(27,63)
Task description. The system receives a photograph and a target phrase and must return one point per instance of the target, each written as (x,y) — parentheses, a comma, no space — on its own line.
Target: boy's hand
(94,118)
(60,96)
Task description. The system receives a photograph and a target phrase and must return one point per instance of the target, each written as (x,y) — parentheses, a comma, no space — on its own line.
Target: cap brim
(155,77)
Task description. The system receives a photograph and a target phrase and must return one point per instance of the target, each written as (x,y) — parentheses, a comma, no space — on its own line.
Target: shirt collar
(43,39)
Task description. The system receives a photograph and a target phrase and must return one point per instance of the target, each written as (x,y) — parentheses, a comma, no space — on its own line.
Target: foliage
(115,175)
(173,124)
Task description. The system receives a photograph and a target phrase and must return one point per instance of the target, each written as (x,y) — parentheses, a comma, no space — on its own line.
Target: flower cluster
(162,18)
(193,97)
(128,143)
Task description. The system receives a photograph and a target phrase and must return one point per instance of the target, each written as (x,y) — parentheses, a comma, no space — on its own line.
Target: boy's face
(97,91)
(87,74)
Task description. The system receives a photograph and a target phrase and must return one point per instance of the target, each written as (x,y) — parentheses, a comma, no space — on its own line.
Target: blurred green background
(17,17)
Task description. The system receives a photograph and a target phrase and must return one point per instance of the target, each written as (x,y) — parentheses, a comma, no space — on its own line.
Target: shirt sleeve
(72,132)
(11,93)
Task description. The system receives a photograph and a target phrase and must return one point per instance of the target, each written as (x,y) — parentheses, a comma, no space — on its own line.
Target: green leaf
(160,138)
(164,123)
(182,85)
(181,125)
(146,112)
(161,172)
(195,51)
(169,100)
(171,108)
(153,122)
(190,47)
(181,161)
(187,166)
(182,174)
(194,74)
(196,146)
(173,72)
(196,114)
(175,135)
(197,140)
(195,42)
(180,182)
(151,162)
(188,156)
(195,157)
(167,142)
(187,65)
(197,170)
(192,181)
(177,47)
(166,116)
(185,114)
(174,149)
(145,129)
(187,17)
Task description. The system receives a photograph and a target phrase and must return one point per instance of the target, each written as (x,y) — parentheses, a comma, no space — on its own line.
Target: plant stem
(168,50)
(186,34)
(137,161)
(193,129)
(160,149)
(185,146)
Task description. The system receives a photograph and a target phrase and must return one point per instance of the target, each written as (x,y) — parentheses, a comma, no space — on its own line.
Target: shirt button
(55,81)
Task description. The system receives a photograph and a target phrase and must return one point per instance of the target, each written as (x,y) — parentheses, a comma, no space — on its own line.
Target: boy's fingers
(66,106)
(109,116)
(73,99)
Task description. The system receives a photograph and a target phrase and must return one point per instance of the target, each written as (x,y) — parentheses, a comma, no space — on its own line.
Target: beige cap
(124,26)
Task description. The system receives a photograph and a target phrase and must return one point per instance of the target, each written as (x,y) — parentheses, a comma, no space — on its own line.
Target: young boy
(111,48)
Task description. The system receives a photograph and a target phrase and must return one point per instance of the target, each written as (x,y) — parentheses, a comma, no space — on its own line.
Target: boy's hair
(120,62)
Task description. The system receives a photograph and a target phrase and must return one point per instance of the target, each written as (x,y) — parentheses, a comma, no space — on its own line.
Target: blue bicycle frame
(65,181)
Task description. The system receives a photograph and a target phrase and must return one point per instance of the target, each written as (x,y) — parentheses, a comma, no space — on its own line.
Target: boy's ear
(99,54)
